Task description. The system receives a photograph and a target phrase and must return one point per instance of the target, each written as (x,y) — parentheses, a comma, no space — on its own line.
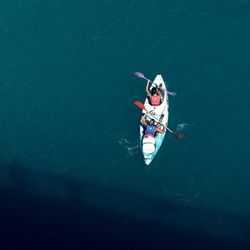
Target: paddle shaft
(142,107)
(153,82)
(155,118)
(140,75)
(165,127)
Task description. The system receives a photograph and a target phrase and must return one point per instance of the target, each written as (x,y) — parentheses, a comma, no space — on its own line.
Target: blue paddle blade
(139,74)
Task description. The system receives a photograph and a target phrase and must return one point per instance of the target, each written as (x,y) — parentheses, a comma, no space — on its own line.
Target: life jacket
(155,100)
(150,130)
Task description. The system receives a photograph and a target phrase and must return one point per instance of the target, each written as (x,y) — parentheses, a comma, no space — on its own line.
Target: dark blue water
(71,172)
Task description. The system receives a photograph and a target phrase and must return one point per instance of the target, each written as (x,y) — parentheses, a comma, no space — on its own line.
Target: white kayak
(151,145)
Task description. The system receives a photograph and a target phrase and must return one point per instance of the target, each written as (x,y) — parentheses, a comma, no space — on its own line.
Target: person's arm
(160,130)
(148,93)
(143,119)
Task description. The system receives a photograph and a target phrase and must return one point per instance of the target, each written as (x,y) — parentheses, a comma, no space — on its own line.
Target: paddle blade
(177,135)
(139,74)
(139,104)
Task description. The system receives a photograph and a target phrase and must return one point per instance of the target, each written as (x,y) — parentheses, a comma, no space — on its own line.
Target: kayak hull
(157,111)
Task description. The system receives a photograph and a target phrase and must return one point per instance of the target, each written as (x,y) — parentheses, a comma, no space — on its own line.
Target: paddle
(141,106)
(177,135)
(140,75)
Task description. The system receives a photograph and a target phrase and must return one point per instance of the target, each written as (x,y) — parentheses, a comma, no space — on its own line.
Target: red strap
(149,135)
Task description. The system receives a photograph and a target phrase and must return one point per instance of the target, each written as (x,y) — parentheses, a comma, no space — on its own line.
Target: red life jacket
(155,100)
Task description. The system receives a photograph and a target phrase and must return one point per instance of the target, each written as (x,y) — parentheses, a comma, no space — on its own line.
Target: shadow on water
(44,211)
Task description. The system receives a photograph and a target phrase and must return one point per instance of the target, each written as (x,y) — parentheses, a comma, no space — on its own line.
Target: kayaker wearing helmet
(154,96)
(150,128)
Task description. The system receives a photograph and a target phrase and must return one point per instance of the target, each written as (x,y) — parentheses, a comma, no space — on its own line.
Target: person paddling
(155,98)
(150,128)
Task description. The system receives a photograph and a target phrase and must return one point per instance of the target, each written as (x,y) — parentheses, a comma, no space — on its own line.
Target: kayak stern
(148,158)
